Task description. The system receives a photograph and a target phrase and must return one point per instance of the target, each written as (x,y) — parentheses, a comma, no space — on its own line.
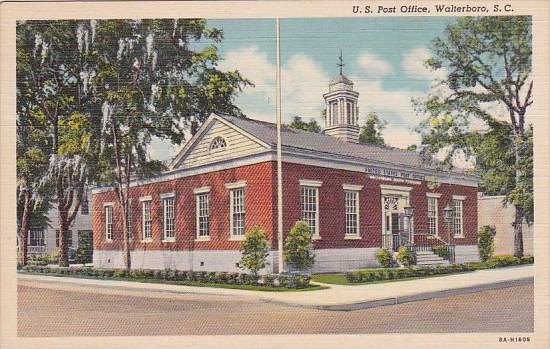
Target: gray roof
(324,144)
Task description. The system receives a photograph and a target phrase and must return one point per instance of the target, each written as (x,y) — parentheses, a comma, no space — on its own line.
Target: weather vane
(341,63)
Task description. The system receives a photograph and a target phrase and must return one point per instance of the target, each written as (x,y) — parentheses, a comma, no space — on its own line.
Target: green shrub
(298,251)
(254,250)
(268,280)
(502,261)
(485,242)
(527,260)
(119,273)
(406,256)
(441,251)
(84,252)
(384,257)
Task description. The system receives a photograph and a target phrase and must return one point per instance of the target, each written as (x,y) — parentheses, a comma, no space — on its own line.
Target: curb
(406,299)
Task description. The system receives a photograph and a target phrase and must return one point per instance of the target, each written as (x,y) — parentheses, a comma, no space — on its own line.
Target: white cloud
(373,65)
(400,137)
(413,65)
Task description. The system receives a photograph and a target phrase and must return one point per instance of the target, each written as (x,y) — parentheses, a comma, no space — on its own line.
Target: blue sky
(383,56)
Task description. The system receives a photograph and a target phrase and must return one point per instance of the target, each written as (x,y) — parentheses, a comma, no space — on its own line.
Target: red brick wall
(332,210)
(261,207)
(258,205)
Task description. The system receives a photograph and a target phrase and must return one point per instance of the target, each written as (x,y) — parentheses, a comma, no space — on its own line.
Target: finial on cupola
(341,64)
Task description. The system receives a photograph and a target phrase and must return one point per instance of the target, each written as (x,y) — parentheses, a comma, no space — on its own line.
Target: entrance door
(392,222)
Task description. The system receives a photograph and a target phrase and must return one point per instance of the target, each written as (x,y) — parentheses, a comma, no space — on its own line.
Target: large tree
(48,86)
(33,195)
(146,79)
(480,109)
(371,132)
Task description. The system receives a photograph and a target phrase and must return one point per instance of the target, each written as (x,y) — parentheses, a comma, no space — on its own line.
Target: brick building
(224,181)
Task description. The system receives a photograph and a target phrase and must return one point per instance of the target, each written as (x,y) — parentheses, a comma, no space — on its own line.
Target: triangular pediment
(200,150)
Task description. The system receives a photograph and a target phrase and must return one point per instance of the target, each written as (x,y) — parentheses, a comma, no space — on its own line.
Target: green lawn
(190,283)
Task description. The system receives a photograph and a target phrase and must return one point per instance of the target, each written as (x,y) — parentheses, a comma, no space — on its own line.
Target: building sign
(394,175)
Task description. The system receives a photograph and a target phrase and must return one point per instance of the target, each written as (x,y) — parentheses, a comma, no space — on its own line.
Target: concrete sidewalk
(337,297)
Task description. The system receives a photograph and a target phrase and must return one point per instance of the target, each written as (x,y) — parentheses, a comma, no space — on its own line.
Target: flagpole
(279,155)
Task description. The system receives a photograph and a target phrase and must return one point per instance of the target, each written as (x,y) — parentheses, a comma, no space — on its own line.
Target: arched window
(218,144)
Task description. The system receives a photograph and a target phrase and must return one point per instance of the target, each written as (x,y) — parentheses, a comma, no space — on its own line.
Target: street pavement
(48,309)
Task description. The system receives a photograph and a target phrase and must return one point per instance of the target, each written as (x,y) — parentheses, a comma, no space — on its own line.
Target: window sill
(352,237)
(107,240)
(168,240)
(316,237)
(146,241)
(237,238)
(202,239)
(458,236)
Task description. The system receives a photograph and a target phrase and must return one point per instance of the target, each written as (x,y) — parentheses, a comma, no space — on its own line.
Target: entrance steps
(429,258)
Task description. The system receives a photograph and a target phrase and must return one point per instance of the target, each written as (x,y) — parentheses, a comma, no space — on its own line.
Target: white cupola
(342,113)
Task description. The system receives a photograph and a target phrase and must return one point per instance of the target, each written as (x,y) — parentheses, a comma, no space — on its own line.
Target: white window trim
(167,196)
(130,220)
(436,197)
(387,189)
(314,185)
(110,205)
(310,183)
(145,199)
(352,187)
(201,190)
(460,198)
(197,215)
(233,237)
(235,185)
(357,234)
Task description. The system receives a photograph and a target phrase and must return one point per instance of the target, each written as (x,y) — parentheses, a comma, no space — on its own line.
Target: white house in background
(492,212)
(45,240)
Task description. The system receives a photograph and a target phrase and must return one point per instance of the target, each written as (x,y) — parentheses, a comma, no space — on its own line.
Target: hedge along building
(224,181)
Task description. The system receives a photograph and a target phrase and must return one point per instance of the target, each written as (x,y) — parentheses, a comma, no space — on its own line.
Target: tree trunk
(63,246)
(518,232)
(23,233)
(518,219)
(127,258)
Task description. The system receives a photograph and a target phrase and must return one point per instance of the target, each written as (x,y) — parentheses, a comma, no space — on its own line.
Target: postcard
(315,174)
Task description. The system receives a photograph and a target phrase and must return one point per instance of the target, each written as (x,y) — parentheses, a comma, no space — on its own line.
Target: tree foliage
(106,88)
(254,250)
(49,99)
(371,132)
(299,124)
(298,251)
(480,109)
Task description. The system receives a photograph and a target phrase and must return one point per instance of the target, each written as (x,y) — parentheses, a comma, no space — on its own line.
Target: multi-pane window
(130,220)
(432,216)
(310,207)
(69,238)
(36,237)
(203,215)
(237,211)
(109,222)
(169,218)
(457,218)
(146,219)
(352,212)
(218,143)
